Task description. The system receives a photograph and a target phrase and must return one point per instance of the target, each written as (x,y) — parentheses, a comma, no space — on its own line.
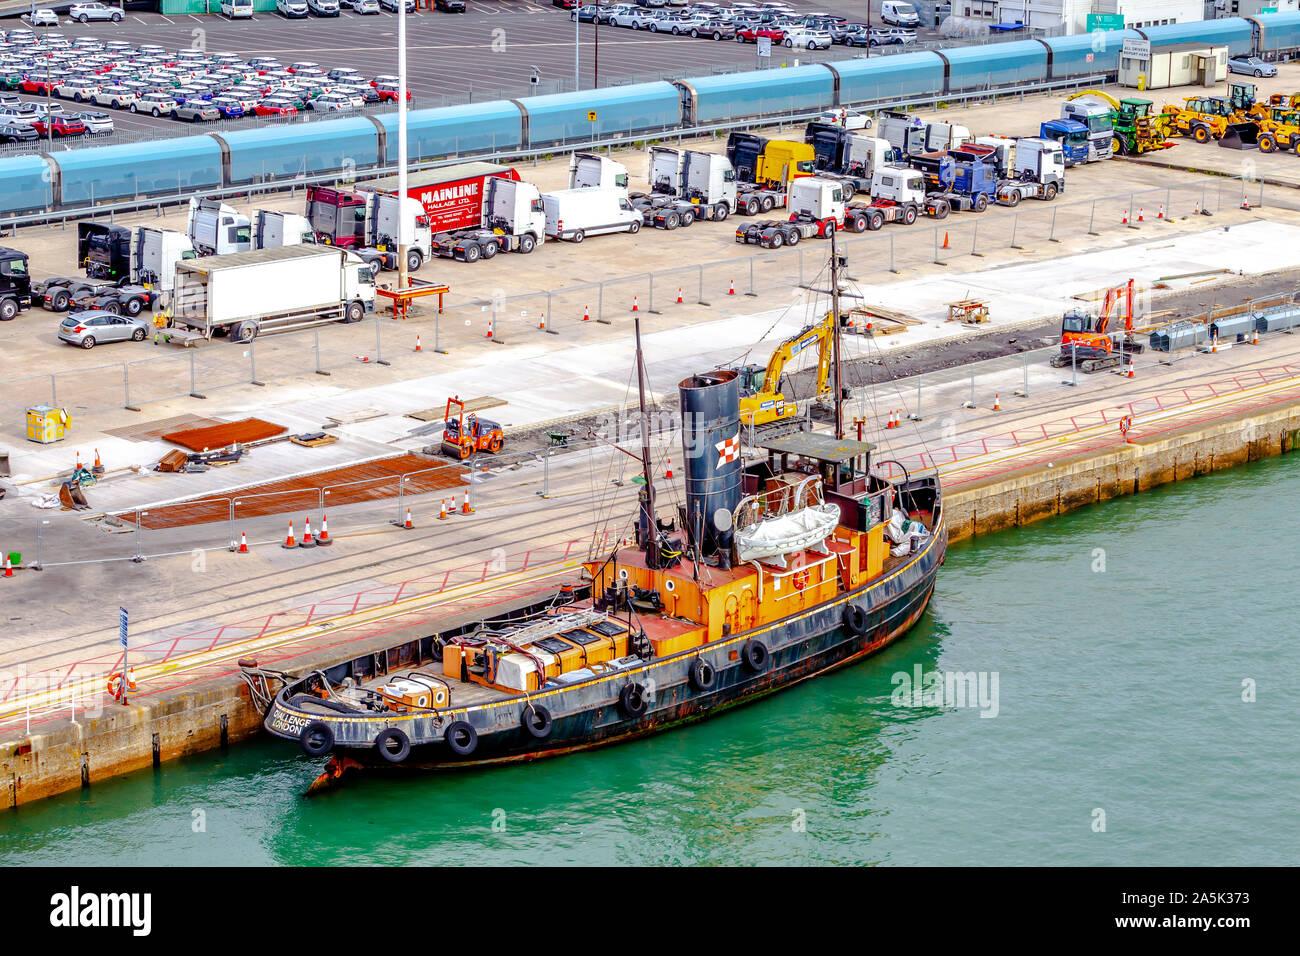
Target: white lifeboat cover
(785,533)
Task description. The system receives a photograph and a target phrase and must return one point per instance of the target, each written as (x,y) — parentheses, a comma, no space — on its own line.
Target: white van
(898,14)
(237,9)
(588,211)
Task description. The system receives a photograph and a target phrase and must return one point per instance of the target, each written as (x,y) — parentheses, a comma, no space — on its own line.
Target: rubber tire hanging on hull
(461,738)
(755,656)
(703,675)
(855,619)
(403,745)
(316,728)
(537,721)
(632,702)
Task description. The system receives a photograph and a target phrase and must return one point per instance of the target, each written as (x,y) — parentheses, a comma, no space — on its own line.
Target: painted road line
(226,652)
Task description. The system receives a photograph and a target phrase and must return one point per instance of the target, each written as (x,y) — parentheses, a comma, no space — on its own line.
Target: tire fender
(537,721)
(461,738)
(308,739)
(754,655)
(703,675)
(632,701)
(855,619)
(393,735)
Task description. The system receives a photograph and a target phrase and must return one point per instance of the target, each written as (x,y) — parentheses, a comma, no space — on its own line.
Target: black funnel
(711,449)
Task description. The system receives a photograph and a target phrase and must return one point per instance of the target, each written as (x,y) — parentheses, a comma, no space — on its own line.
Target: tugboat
(801,561)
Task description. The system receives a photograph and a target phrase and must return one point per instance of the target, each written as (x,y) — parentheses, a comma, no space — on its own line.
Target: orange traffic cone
(1196,209)
(541,323)
(465,509)
(586,313)
(324,536)
(1130,369)
(1161,213)
(306,541)
(1141,213)
(731,288)
(442,515)
(78,461)
(1254,339)
(243,543)
(489,331)
(288,540)
(417,342)
(945,239)
(669,472)
(1214,342)
(679,295)
(363,358)
(1245,200)
(635,306)
(997,402)
(9,568)
(409,524)
(1124,220)
(99,465)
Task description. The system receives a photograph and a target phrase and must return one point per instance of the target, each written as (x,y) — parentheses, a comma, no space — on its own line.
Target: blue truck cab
(1071,134)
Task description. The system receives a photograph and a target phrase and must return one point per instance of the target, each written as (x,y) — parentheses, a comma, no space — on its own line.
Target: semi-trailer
(245,294)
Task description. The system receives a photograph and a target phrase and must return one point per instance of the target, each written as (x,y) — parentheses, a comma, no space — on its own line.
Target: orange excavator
(1087,340)
(462,434)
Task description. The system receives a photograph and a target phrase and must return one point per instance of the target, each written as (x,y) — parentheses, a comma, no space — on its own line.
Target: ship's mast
(835,338)
(650,544)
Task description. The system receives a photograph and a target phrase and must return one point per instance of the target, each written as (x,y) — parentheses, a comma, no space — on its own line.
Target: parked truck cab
(15,284)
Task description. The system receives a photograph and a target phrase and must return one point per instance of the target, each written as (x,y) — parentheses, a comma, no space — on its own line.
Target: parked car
(751,34)
(94,121)
(365,7)
(676,22)
(899,35)
(585,13)
(324,8)
(717,28)
(76,88)
(23,114)
(275,106)
(805,37)
(12,132)
(391,5)
(195,111)
(154,103)
(58,125)
(291,9)
(95,327)
(85,12)
(230,106)
(389,92)
(332,103)
(42,18)
(1250,66)
(450,6)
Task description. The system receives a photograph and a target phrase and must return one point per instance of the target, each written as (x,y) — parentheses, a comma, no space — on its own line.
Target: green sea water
(1123,638)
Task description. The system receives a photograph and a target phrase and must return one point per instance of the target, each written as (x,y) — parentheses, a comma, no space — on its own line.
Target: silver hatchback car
(93,327)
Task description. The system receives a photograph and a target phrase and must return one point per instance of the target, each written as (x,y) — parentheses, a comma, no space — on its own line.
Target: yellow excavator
(761,400)
(1136,127)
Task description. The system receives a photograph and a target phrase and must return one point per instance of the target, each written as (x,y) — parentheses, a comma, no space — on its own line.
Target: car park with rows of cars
(191,86)
(744,22)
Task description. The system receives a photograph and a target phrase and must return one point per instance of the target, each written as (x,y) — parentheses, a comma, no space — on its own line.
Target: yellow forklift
(1223,118)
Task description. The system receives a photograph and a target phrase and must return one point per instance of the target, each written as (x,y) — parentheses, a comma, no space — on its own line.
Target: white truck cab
(589,169)
(899,184)
(217,229)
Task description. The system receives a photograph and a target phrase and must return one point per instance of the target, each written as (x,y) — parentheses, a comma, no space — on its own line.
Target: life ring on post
(855,619)
(115,683)
(389,736)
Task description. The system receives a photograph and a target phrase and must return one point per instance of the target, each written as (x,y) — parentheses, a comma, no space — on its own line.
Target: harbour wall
(219,712)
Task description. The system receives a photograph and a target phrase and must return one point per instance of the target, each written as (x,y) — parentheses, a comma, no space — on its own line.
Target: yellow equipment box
(46,424)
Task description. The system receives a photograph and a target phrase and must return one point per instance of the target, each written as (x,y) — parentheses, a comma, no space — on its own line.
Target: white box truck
(575,214)
(216,229)
(274,229)
(243,294)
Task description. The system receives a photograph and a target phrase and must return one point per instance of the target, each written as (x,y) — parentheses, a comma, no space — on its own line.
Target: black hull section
(590,715)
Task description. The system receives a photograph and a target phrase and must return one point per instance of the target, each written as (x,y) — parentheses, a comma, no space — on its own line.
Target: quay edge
(218,712)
